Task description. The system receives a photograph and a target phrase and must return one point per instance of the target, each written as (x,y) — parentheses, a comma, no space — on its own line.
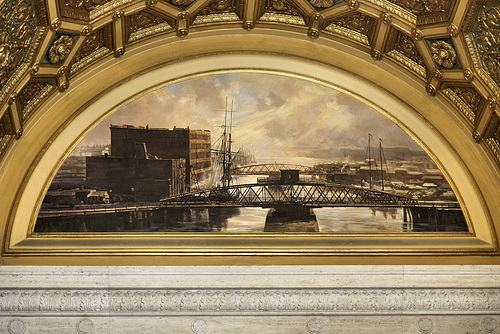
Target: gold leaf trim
(107,7)
(216,18)
(99,53)
(476,61)
(281,18)
(44,92)
(407,62)
(494,146)
(137,35)
(461,105)
(396,10)
(348,33)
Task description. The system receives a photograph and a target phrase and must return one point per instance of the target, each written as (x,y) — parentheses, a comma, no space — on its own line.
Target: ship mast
(223,157)
(381,162)
(369,149)
(226,148)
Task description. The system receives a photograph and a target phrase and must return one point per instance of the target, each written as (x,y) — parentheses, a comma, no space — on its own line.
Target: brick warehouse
(192,145)
(151,163)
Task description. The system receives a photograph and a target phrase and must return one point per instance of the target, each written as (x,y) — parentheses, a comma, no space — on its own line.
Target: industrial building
(191,145)
(147,163)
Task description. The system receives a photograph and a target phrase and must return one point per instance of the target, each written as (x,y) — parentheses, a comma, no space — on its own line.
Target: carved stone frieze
(358,22)
(189,301)
(199,326)
(17,31)
(489,325)
(425,325)
(487,39)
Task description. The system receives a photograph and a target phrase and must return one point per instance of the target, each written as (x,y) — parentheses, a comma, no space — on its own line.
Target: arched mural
(249,153)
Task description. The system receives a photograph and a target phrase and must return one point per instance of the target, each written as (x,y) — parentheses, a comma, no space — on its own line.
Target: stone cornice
(256,291)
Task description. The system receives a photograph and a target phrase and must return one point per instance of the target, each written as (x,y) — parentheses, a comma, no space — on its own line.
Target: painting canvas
(249,153)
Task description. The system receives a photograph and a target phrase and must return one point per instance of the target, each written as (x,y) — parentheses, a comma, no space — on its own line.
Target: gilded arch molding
(429,59)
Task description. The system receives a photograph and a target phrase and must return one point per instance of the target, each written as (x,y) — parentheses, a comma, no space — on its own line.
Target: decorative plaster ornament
(443,54)
(60,49)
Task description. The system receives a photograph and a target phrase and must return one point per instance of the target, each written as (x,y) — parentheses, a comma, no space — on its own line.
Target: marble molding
(279,299)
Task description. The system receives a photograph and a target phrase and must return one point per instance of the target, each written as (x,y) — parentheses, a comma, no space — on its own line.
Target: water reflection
(227,220)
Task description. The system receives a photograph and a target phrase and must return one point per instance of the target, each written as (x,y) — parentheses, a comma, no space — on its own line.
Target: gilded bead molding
(417,34)
(452,30)
(377,55)
(386,18)
(118,15)
(437,74)
(353,4)
(468,75)
(87,30)
(430,89)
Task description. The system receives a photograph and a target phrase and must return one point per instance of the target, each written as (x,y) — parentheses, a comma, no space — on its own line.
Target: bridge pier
(434,219)
(291,218)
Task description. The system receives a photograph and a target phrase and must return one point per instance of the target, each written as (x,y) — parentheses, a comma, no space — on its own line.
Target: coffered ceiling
(451,47)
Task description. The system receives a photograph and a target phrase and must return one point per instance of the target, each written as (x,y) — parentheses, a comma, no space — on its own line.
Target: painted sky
(275,116)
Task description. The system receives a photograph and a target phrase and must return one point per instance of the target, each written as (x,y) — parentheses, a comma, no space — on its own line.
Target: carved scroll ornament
(487,34)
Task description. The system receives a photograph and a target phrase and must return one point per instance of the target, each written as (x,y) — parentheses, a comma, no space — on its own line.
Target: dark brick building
(191,145)
(149,164)
(145,179)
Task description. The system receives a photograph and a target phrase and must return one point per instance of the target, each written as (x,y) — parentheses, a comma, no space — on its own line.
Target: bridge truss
(268,169)
(303,194)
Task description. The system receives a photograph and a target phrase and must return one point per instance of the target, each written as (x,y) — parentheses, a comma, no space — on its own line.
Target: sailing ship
(371,161)
(223,156)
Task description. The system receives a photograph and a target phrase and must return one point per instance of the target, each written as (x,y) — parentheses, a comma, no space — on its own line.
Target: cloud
(275,116)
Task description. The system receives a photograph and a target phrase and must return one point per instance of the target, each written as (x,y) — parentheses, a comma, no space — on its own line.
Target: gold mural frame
(478,246)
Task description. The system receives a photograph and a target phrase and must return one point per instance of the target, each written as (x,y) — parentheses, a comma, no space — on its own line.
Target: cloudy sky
(274,116)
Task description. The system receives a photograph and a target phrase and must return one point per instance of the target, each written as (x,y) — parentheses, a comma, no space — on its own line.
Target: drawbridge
(271,195)
(269,169)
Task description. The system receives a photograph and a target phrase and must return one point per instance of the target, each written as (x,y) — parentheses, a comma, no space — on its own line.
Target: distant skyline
(275,116)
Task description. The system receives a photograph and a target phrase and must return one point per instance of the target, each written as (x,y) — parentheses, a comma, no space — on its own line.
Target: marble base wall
(250,299)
